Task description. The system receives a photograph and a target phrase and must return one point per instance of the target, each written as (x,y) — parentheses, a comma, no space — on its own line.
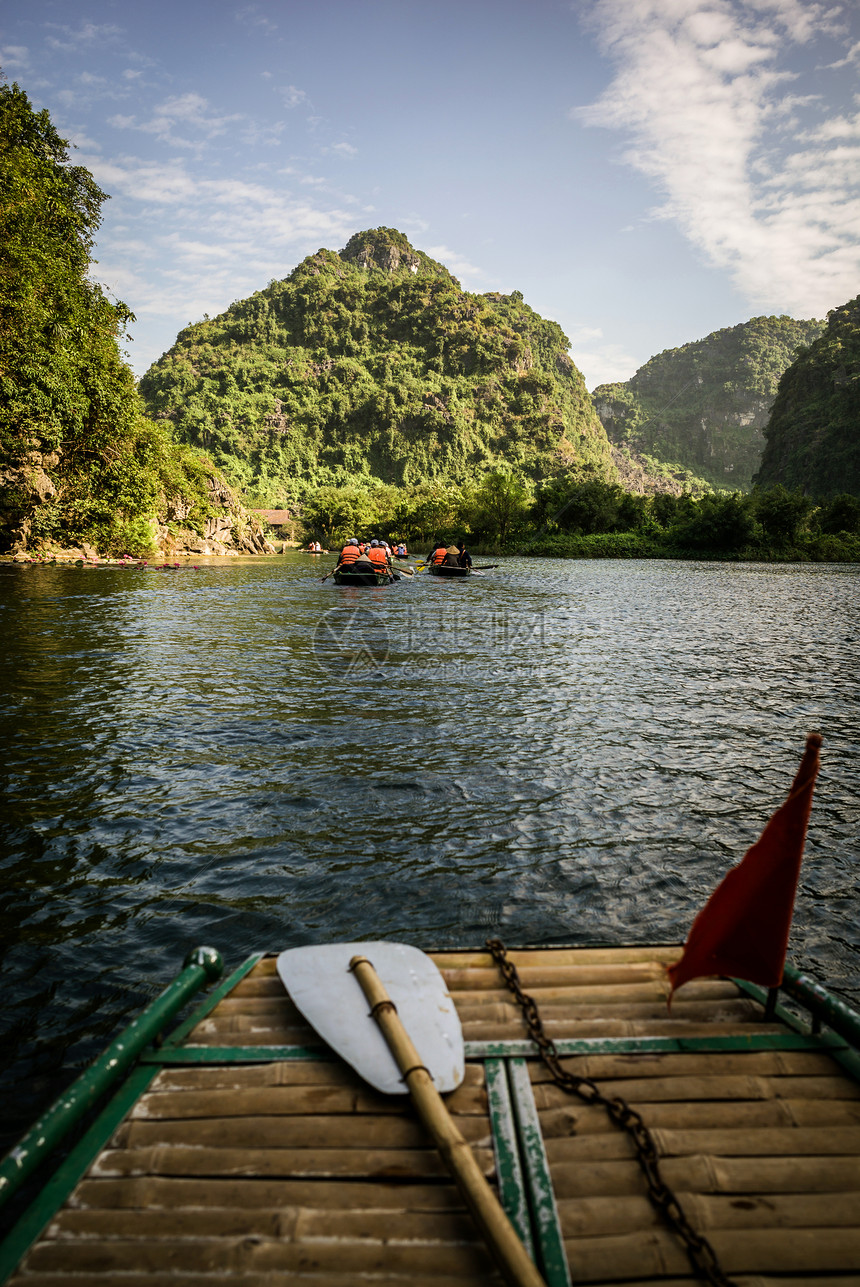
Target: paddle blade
(321,986)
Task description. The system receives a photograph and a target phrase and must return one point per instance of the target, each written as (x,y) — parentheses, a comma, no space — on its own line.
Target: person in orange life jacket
(349,554)
(378,557)
(438,555)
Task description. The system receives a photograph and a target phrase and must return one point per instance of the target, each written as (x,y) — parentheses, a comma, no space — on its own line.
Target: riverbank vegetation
(594,519)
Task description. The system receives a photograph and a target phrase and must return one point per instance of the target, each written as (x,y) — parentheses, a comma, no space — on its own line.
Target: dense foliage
(600,521)
(704,406)
(78,461)
(592,519)
(813,435)
(373,366)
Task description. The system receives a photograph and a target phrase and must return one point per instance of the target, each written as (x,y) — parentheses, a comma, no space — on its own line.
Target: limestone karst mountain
(373,363)
(704,406)
(813,435)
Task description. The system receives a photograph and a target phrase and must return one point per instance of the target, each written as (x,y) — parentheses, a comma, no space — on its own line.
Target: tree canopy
(78,461)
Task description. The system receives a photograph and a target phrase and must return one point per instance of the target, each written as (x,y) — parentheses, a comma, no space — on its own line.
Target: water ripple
(243,755)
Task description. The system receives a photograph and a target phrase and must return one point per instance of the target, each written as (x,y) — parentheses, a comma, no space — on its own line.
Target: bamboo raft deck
(239,1151)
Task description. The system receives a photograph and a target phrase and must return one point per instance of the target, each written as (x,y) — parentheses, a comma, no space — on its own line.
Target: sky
(644,171)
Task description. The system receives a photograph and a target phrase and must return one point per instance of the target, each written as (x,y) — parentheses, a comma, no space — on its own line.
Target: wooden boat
(346,576)
(240,1150)
(444,569)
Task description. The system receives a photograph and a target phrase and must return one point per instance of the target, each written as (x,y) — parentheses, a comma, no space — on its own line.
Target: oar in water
(410,1041)
(328,574)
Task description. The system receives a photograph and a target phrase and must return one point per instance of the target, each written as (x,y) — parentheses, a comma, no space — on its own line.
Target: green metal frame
(61,1185)
(835,1046)
(232,1054)
(823,1005)
(795,1040)
(552,1256)
(512,1189)
(201,965)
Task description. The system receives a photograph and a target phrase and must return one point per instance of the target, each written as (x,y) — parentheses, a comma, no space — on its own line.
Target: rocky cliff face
(813,434)
(186,521)
(387,250)
(229,530)
(704,407)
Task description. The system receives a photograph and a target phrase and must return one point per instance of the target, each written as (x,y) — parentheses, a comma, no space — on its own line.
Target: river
(245,756)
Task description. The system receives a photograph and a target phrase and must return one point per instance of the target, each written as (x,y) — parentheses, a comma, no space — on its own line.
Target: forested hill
(705,405)
(372,363)
(813,437)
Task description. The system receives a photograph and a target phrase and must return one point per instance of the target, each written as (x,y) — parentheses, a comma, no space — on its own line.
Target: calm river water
(246,757)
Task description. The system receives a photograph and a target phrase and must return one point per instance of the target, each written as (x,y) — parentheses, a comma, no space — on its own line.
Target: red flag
(743,928)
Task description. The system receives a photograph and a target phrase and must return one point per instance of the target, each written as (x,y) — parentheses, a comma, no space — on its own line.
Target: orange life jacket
(348,555)
(439,555)
(377,556)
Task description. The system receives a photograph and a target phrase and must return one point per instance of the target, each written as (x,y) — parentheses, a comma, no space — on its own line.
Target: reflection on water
(245,756)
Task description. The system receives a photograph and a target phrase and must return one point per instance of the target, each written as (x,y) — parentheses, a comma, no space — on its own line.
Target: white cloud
(702,91)
(14,57)
(189,111)
(343,149)
(86,36)
(601,363)
(453,261)
(217,239)
(251,16)
(853,56)
(291,95)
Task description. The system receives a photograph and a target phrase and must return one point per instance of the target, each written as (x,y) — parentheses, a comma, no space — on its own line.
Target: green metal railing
(202,965)
(823,1005)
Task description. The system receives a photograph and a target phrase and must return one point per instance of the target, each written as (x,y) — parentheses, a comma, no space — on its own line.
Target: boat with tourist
(363,576)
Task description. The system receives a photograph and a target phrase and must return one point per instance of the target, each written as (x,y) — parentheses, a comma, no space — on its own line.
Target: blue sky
(644,171)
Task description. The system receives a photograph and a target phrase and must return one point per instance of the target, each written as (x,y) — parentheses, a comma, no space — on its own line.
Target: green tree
(78,461)
(841,514)
(334,514)
(781,514)
(501,505)
(725,523)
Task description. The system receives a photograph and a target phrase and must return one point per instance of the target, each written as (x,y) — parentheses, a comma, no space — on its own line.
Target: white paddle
(409,1042)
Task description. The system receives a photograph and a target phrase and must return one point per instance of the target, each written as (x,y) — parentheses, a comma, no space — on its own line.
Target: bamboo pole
(512,1257)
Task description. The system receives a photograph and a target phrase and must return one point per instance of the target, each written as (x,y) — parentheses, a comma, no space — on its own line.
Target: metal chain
(702,1256)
